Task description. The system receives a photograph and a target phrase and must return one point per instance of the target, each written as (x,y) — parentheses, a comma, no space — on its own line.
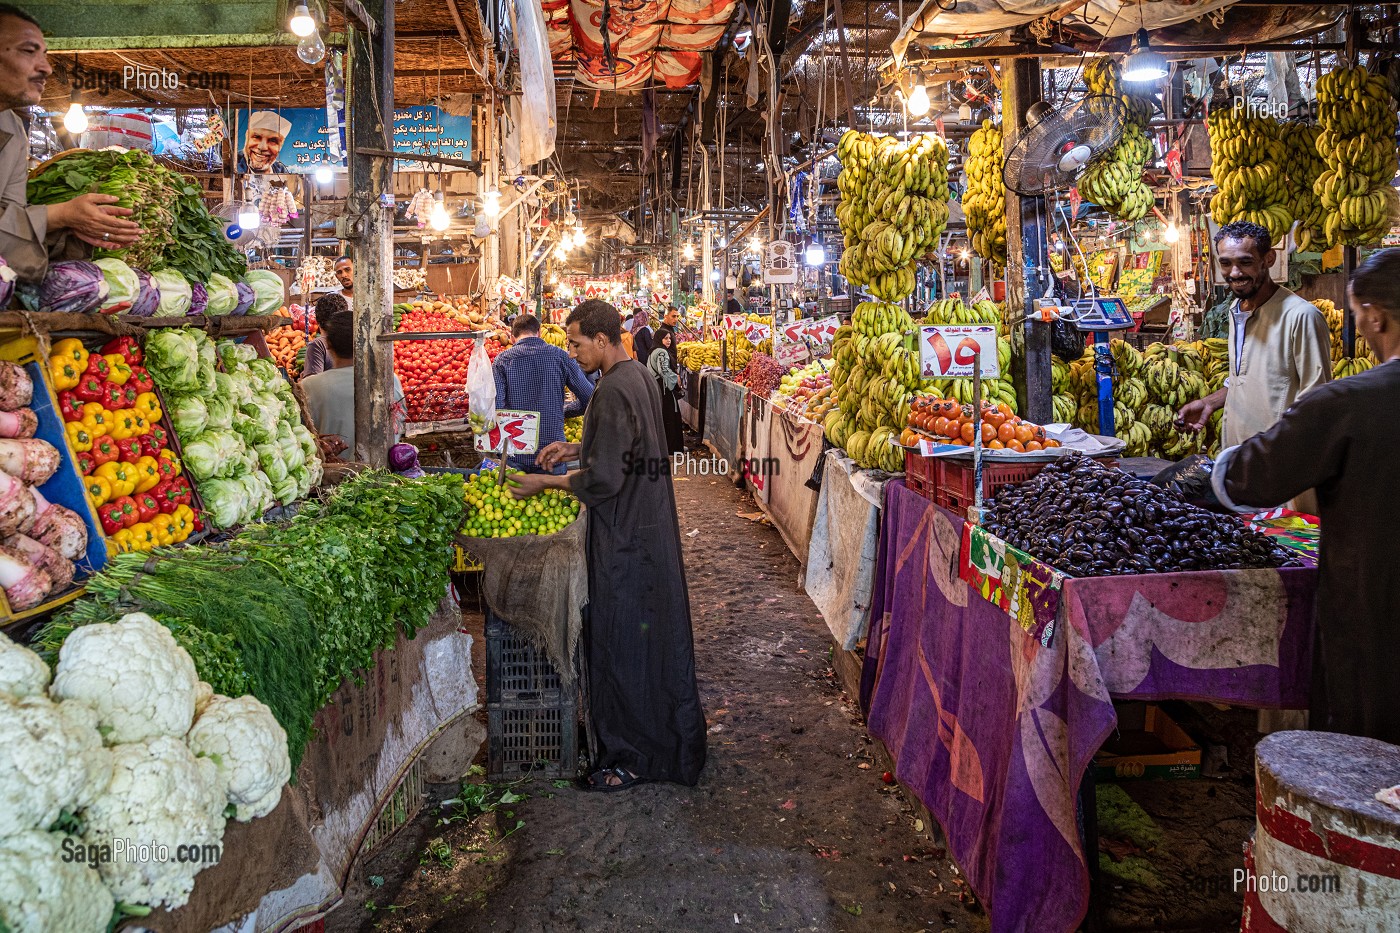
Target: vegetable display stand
(532,728)
(949,482)
(64,488)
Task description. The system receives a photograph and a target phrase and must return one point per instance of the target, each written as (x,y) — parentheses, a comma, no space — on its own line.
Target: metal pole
(1025,248)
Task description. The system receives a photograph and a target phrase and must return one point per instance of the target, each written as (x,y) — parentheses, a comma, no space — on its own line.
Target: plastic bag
(1189,480)
(481,391)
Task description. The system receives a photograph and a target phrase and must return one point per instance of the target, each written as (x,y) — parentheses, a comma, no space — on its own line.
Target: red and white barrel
(1326,852)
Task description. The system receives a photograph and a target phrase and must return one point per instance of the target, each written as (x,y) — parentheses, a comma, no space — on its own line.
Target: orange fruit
(995,418)
(1051,442)
(966,431)
(1016,446)
(1005,409)
(1034,445)
(1039,433)
(1024,433)
(940,425)
(995,445)
(989,433)
(1007,432)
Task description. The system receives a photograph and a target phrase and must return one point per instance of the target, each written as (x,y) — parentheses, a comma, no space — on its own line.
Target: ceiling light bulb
(301,24)
(688,251)
(579,236)
(1172,234)
(560,253)
(816,254)
(75,120)
(964,255)
(755,246)
(324,174)
(248,218)
(917,104)
(439,219)
(491,203)
(1144,64)
(714,276)
(311,49)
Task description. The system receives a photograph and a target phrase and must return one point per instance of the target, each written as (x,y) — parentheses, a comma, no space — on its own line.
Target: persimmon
(1039,433)
(1034,445)
(1016,446)
(995,445)
(989,433)
(1006,411)
(995,418)
(1024,433)
(1007,432)
(940,426)
(1051,442)
(967,431)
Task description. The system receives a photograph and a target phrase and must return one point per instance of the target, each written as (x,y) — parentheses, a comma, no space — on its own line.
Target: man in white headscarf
(267,131)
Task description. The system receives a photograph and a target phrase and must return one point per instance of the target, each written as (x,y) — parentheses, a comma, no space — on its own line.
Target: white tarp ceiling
(972,22)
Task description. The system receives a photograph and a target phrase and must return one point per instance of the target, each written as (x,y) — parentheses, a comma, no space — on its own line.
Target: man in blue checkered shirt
(531,376)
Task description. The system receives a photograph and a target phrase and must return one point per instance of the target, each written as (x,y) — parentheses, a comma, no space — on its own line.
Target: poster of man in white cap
(262,142)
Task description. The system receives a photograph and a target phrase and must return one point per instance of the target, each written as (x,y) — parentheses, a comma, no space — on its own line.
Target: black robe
(642,697)
(1340,439)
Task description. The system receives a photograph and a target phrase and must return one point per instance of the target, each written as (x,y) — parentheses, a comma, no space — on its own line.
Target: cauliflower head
(141,682)
(202,695)
(22,672)
(160,795)
(41,892)
(51,758)
(249,746)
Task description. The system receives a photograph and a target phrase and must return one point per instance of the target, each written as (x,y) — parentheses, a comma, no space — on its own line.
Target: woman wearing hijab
(660,365)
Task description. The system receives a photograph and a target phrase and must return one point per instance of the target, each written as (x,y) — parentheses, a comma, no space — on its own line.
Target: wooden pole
(370,101)
(1026,261)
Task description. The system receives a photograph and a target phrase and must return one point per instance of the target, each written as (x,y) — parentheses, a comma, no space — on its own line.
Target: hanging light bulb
(816,254)
(75,120)
(301,24)
(1172,234)
(917,103)
(491,203)
(579,236)
(1144,64)
(755,245)
(311,49)
(439,219)
(561,252)
(248,217)
(324,174)
(688,251)
(964,255)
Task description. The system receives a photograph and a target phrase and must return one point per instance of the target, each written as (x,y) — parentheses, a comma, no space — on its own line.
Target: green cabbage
(265,373)
(223,296)
(188,414)
(268,290)
(271,462)
(225,499)
(220,411)
(172,357)
(233,354)
(214,453)
(123,285)
(175,293)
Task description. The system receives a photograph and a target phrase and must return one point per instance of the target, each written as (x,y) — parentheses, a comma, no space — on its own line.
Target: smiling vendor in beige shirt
(1279,344)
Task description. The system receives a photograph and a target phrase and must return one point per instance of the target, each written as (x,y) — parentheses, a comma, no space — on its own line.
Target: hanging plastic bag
(481,391)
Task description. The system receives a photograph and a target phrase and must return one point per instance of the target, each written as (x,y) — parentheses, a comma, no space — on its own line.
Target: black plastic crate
(518,672)
(538,741)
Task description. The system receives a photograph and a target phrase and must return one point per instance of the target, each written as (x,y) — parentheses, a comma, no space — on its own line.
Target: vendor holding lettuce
(31,235)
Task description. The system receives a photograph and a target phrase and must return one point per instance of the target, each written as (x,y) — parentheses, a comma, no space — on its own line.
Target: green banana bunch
(1343,368)
(1126,357)
(1356,114)
(984,202)
(1248,158)
(1063,408)
(1302,166)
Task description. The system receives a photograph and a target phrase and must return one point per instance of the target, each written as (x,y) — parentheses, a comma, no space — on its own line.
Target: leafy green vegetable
(172,357)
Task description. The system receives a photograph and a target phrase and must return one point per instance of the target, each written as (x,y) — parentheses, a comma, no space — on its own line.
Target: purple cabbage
(73,286)
(147,298)
(246,296)
(403,459)
(199,297)
(7,283)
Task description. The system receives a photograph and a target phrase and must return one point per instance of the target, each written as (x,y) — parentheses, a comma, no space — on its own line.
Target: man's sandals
(610,780)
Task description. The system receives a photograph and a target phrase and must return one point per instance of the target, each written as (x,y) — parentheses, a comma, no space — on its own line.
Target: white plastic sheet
(534,123)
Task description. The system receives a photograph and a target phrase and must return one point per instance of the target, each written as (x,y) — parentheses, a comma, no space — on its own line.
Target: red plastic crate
(949,483)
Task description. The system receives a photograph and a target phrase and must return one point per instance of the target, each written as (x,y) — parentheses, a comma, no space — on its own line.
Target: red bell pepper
(104,450)
(166,466)
(128,450)
(147,507)
(85,463)
(128,395)
(141,380)
(98,367)
(164,494)
(198,523)
(148,445)
(157,434)
(90,389)
(182,491)
(127,347)
(112,396)
(70,406)
(118,514)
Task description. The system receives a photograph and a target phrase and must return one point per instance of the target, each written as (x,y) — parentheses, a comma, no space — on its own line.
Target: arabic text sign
(424,130)
(519,431)
(734,322)
(946,351)
(757,332)
(824,330)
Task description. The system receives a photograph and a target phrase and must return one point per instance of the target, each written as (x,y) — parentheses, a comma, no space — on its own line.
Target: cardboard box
(1148,744)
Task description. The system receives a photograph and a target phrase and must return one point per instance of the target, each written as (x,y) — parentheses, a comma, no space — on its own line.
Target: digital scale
(1097,315)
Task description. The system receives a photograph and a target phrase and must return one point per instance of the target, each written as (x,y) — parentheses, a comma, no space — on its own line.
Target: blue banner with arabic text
(295,140)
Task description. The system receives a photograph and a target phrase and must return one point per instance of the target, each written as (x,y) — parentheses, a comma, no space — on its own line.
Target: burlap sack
(539,584)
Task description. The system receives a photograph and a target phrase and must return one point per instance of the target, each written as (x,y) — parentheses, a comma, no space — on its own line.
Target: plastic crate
(518,672)
(950,483)
(531,740)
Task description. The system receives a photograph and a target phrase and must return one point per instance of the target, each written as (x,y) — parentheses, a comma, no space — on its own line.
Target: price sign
(946,351)
(790,353)
(509,289)
(824,330)
(757,332)
(795,332)
(517,431)
(735,322)
(1075,199)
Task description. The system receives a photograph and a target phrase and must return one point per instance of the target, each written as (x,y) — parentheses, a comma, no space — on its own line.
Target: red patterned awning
(647,40)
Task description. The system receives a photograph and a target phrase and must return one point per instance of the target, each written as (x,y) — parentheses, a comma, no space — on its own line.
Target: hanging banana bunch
(1114,181)
(1247,158)
(984,203)
(1357,140)
(1303,165)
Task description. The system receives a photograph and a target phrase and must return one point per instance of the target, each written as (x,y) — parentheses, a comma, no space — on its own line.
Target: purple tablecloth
(993,730)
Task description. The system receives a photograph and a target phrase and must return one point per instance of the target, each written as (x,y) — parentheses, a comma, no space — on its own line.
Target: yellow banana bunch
(984,202)
(1102,76)
(1248,159)
(1303,165)
(893,208)
(1114,182)
(695,355)
(1356,114)
(1343,368)
(554,334)
(1063,408)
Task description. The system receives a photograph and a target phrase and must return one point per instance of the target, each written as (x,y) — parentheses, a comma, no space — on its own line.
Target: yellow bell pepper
(96,419)
(123,424)
(124,541)
(147,473)
(148,406)
(73,349)
(99,489)
(164,526)
(120,475)
(64,372)
(184,522)
(176,468)
(143,536)
(78,437)
(142,426)
(121,371)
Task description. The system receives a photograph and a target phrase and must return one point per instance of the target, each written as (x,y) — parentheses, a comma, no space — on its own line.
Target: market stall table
(794,452)
(692,403)
(993,716)
(724,415)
